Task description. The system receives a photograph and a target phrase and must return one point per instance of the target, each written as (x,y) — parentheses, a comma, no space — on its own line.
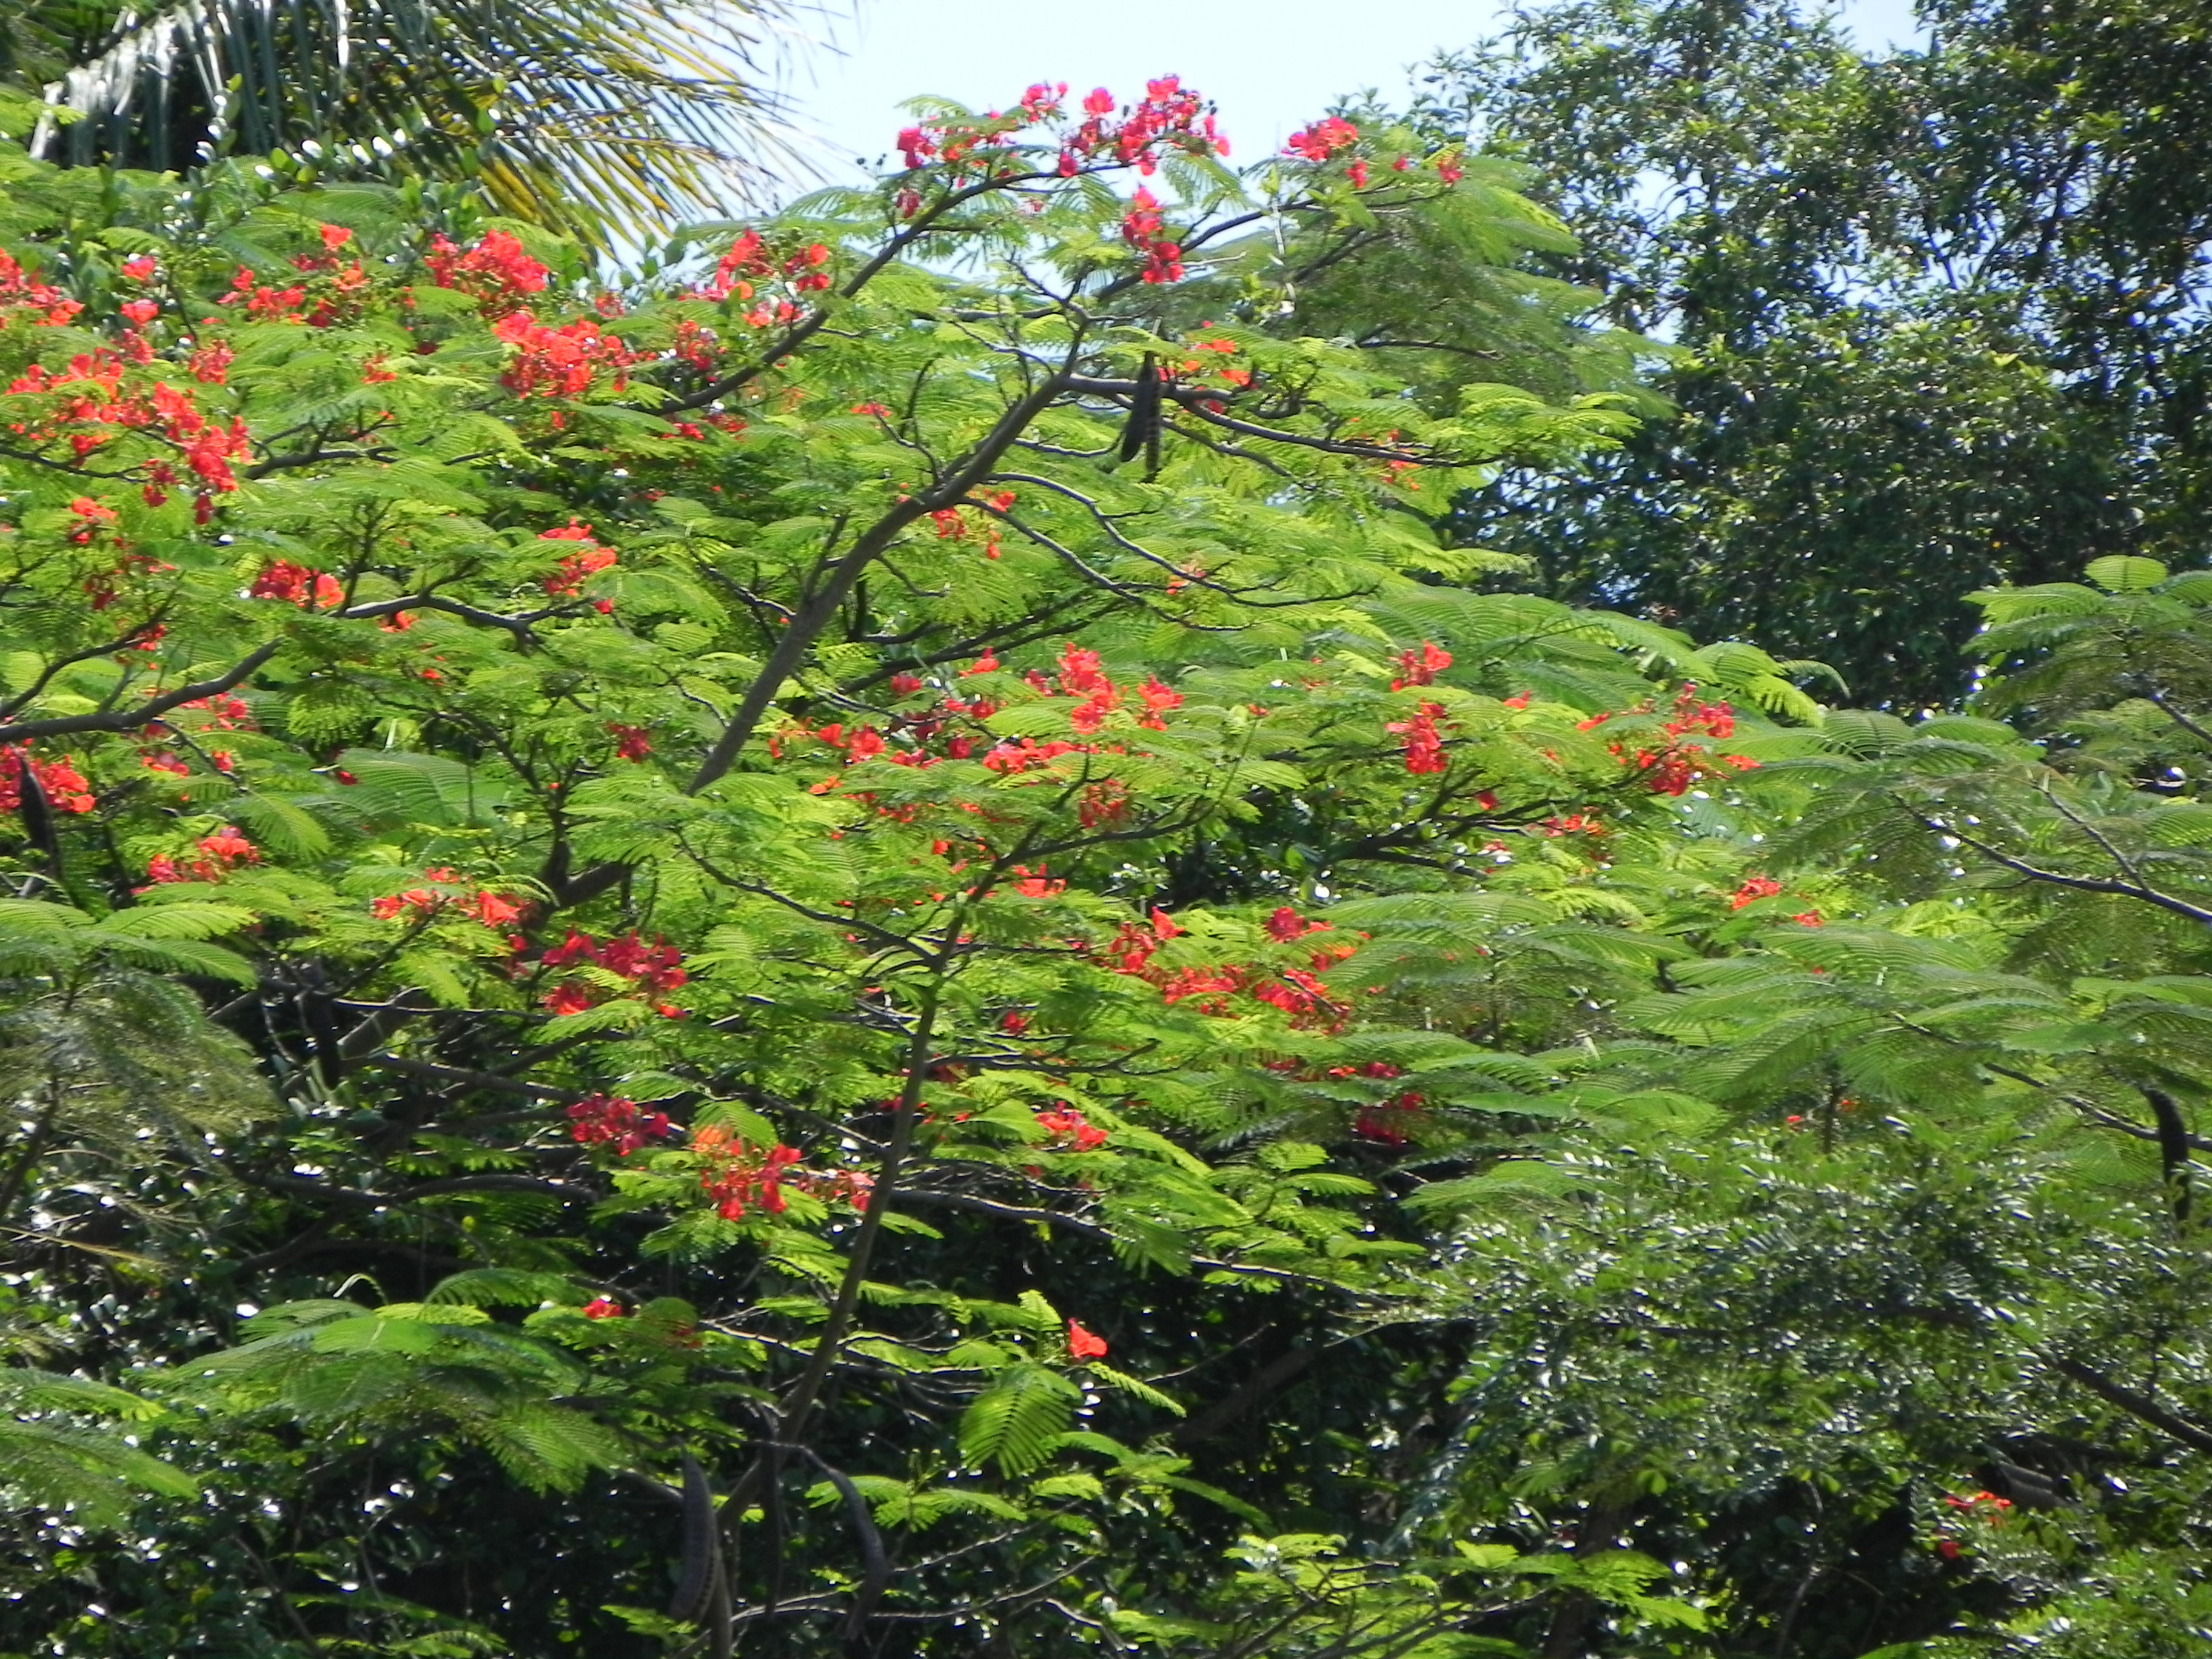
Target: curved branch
(117,720)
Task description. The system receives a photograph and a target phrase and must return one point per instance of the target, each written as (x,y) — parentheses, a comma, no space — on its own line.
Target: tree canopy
(880,945)
(1939,312)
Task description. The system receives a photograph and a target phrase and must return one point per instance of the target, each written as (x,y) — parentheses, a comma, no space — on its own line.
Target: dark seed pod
(38,813)
(695,1590)
(1142,433)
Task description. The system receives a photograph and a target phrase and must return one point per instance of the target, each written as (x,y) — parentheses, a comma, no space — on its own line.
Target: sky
(1270,65)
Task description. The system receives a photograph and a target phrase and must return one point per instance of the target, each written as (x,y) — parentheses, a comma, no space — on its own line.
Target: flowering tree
(752,889)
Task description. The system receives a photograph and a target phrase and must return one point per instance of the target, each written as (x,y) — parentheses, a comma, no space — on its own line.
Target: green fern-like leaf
(1013,1421)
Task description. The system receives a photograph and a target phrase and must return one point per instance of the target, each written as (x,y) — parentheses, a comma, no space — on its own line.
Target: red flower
(495,912)
(1287,924)
(568,999)
(613,1120)
(1071,1132)
(420,900)
(1082,1345)
(576,568)
(631,742)
(1424,749)
(62,784)
(734,1174)
(599,1308)
(1422,669)
(1753,888)
(296,584)
(558,363)
(496,271)
(228,847)
(1323,139)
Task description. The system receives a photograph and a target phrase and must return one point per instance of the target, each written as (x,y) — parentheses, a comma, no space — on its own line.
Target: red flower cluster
(1036,884)
(220,852)
(263,303)
(1102,804)
(1232,377)
(587,561)
(1424,746)
(1080,676)
(1421,669)
(1129,949)
(1753,888)
(19,293)
(655,967)
(224,712)
(1169,115)
(1672,768)
(632,742)
(295,584)
(1084,1346)
(735,1173)
(1070,1130)
(559,362)
(496,271)
(803,268)
(1296,991)
(485,906)
(64,786)
(748,257)
(209,363)
(600,1307)
(1387,1122)
(93,517)
(952,522)
(612,1120)
(1982,1506)
(1287,925)
(1141,229)
(92,407)
(1323,139)
(340,299)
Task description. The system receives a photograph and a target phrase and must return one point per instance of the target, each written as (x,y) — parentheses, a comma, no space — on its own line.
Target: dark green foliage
(1939,315)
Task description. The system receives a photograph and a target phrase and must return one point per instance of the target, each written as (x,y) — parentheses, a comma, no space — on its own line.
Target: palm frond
(597,117)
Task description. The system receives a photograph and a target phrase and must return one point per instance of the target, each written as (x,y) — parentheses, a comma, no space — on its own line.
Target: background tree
(1939,310)
(687,798)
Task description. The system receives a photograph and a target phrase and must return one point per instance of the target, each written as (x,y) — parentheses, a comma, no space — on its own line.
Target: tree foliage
(878,949)
(1938,312)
